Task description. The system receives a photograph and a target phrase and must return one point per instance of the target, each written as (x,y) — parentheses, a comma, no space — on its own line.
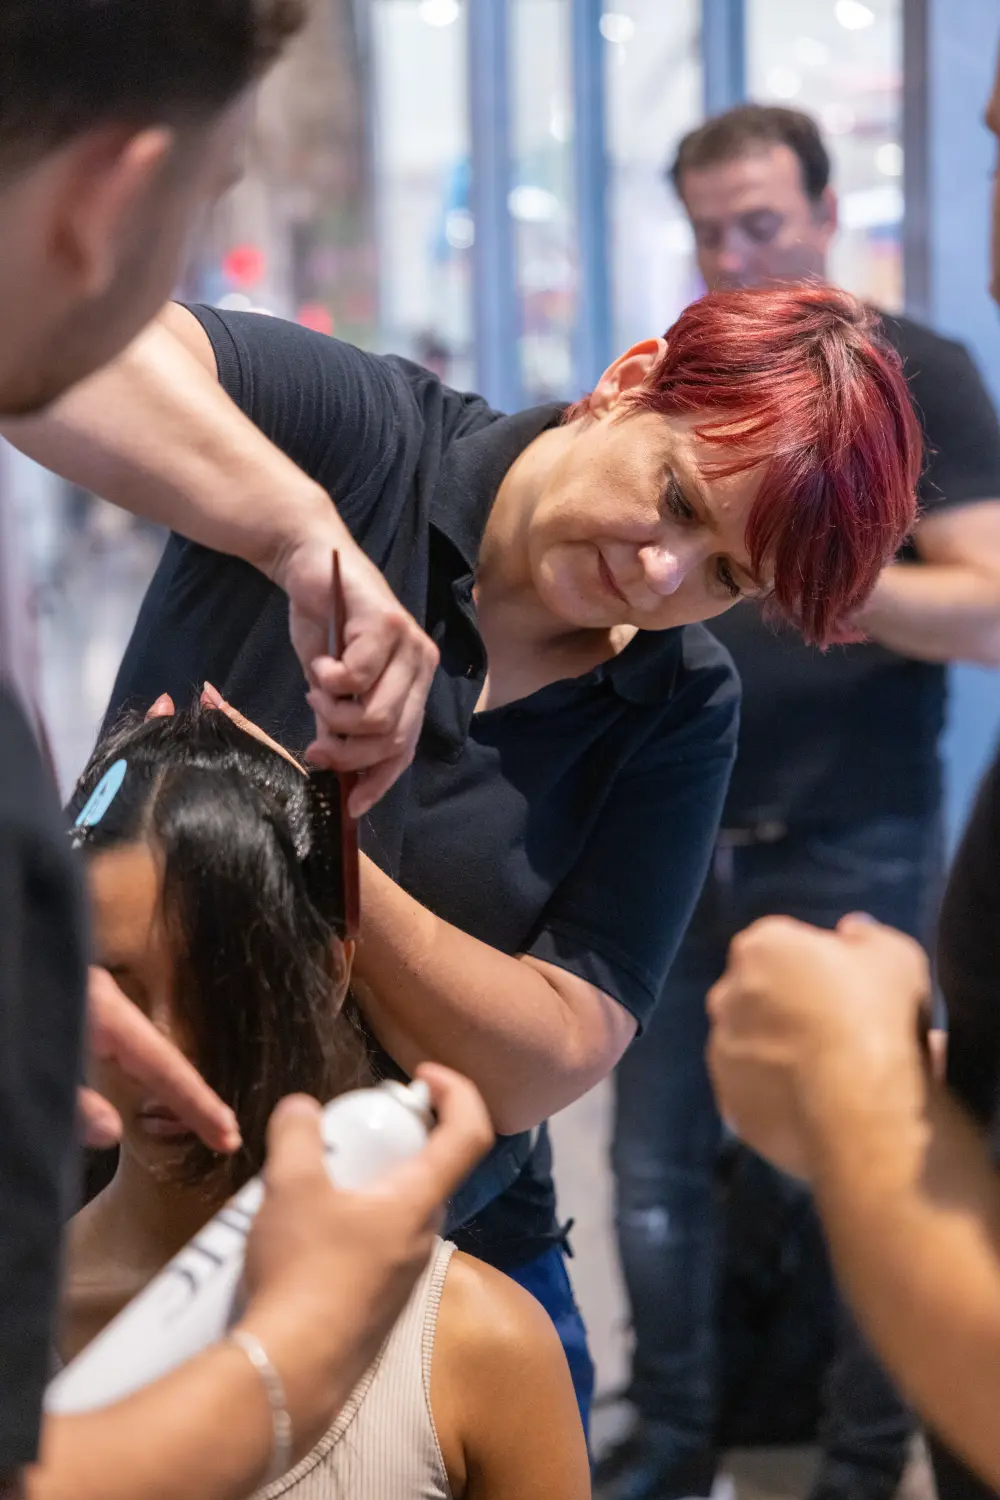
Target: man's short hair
(749,127)
(67,66)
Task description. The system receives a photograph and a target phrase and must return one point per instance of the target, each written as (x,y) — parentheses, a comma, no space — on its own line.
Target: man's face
(993,123)
(101,242)
(754,224)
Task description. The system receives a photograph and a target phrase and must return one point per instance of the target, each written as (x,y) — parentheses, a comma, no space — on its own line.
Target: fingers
(163,708)
(100,1123)
(457,1143)
(294,1142)
(118,1030)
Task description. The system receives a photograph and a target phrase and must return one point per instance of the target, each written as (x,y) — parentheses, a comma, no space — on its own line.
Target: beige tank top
(383,1445)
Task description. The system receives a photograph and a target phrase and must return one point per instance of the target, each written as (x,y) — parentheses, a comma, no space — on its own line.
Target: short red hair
(801,380)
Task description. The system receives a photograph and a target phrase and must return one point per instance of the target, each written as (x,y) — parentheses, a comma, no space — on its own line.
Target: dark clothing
(547,1280)
(574,824)
(852,733)
(968,963)
(833,806)
(41,1014)
(668,1134)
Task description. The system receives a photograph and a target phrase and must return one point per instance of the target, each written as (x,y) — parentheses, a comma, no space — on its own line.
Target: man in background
(818,1058)
(834,806)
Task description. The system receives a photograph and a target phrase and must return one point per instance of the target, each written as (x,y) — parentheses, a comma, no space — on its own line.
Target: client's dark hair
(67,66)
(250,915)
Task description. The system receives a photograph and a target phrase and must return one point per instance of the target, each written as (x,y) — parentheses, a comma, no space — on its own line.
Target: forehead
(124,886)
(760,176)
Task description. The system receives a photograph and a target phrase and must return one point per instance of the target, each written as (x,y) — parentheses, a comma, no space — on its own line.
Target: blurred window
(842,61)
(654,89)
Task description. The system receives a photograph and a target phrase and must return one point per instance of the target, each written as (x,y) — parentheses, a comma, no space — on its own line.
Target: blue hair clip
(102,796)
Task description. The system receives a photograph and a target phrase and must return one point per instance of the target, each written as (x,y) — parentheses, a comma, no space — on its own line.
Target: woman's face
(626,530)
(125,890)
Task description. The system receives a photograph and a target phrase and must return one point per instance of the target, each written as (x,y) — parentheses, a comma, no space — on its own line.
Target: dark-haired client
(214,913)
(526,885)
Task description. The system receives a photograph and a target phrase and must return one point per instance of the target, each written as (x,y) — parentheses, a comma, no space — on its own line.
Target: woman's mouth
(608,578)
(156,1120)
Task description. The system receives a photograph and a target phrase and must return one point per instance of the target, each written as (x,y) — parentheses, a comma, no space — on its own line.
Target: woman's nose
(665,568)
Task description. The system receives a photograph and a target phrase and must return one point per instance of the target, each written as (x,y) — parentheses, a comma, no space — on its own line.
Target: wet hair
(68,66)
(748,127)
(801,381)
(250,916)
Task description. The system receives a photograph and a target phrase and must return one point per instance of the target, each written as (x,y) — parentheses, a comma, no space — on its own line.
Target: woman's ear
(629,371)
(344,951)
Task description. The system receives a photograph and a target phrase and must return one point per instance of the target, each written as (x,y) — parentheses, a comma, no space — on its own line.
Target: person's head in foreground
(216,913)
(119,123)
(755,183)
(766,448)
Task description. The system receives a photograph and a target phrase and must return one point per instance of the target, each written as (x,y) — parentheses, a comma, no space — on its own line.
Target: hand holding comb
(334,788)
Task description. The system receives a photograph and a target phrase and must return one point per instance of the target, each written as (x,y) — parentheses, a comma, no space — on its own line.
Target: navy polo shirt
(574,824)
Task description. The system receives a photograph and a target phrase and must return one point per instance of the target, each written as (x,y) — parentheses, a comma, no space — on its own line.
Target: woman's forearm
(531,1036)
(155,434)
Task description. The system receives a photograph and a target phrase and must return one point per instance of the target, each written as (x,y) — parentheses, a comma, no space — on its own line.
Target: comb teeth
(323,865)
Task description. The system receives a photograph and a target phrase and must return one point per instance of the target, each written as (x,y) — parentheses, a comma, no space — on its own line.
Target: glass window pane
(654,84)
(422,174)
(542,199)
(843,63)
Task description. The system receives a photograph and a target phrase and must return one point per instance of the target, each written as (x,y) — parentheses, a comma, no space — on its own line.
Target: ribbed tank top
(384,1445)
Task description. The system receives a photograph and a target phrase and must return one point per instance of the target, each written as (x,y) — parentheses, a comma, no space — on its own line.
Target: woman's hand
(369,706)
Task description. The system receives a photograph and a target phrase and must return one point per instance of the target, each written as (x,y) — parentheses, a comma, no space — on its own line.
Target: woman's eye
(726,578)
(676,503)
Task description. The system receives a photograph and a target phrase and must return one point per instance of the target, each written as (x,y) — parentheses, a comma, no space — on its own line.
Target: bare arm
(815,1059)
(502,1395)
(531,1036)
(915,1239)
(948,607)
(329,1270)
(155,434)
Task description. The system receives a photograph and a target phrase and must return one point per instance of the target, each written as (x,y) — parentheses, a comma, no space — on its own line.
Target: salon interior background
(478,184)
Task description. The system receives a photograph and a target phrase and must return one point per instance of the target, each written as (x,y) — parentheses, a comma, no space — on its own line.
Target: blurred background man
(834,806)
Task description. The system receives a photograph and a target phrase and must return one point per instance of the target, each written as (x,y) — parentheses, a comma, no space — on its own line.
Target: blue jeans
(547,1280)
(667,1135)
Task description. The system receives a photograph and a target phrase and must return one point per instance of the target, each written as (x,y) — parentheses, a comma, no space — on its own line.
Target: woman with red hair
(525,886)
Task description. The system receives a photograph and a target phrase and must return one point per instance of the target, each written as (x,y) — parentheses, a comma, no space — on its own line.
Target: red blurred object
(244,266)
(316,316)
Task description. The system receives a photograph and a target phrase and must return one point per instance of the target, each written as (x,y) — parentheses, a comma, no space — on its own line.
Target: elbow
(527,1100)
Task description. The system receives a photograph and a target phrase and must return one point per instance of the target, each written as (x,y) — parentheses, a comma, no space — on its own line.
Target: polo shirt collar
(473,471)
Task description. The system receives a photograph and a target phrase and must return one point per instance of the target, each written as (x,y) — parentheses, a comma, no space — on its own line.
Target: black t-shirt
(852,732)
(41,1012)
(968,965)
(574,824)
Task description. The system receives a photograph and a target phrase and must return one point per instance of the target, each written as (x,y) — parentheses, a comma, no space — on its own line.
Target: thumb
(856,926)
(294,1141)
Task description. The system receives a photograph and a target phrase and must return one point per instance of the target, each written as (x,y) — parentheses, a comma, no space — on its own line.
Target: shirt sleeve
(41,1010)
(347,418)
(618,920)
(961,432)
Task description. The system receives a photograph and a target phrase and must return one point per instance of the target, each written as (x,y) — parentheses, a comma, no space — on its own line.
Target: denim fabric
(547,1280)
(668,1134)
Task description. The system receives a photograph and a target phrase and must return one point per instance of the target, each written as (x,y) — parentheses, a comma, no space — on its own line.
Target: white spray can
(196,1297)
